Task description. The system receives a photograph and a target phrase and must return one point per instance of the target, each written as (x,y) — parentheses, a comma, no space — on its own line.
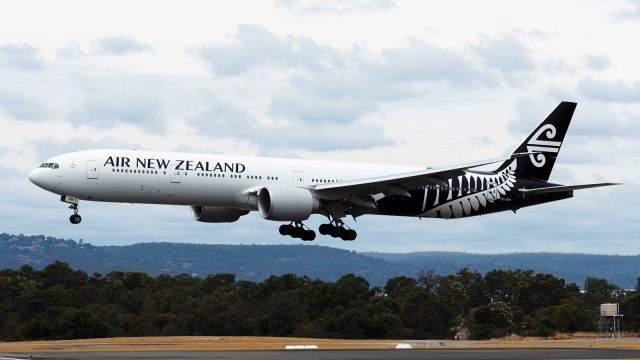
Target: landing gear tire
(308,235)
(75,218)
(286,230)
(338,231)
(325,229)
(298,231)
(350,235)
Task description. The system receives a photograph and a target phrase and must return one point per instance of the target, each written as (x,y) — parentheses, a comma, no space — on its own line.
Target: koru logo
(543,146)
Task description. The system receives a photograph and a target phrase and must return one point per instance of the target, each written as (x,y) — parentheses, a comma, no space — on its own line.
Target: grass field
(278,343)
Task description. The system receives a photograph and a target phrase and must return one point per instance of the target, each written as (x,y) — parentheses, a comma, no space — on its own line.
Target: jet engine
(286,203)
(212,214)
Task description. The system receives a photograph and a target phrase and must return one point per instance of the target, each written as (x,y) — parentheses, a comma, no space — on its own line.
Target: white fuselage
(153,177)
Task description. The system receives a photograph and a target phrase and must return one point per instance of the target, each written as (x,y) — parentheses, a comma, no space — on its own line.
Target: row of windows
(235,176)
(258,177)
(131,171)
(215,175)
(324,181)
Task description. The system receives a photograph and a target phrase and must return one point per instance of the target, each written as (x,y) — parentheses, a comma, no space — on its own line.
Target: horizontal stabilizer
(553,189)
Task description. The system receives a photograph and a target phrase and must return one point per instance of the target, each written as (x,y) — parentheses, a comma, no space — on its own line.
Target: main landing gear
(296,230)
(335,228)
(338,231)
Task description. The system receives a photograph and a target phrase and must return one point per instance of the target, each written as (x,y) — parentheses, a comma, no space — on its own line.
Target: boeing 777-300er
(221,188)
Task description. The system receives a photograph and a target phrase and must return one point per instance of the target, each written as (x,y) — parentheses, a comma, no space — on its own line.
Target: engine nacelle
(212,214)
(286,203)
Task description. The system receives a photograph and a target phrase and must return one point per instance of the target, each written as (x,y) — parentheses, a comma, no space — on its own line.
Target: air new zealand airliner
(222,188)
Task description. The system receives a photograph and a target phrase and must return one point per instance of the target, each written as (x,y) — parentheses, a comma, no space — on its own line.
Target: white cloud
(597,62)
(115,45)
(610,91)
(506,54)
(629,13)
(253,46)
(120,45)
(21,56)
(22,106)
(324,84)
(108,98)
(331,6)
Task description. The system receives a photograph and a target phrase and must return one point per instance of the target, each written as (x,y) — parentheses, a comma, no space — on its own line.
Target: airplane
(222,188)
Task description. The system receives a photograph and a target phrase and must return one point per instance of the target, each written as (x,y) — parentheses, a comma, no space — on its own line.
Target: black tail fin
(545,140)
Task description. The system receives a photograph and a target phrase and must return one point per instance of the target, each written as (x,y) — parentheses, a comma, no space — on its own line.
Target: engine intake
(286,203)
(212,214)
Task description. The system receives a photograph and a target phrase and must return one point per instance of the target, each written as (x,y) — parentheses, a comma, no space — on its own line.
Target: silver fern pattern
(491,188)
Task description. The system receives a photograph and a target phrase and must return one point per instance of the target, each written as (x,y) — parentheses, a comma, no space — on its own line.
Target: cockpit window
(50,165)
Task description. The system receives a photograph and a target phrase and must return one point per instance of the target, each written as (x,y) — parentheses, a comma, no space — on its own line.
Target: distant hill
(621,270)
(248,262)
(256,262)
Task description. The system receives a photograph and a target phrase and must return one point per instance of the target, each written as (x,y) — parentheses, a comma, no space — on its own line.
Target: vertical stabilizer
(545,140)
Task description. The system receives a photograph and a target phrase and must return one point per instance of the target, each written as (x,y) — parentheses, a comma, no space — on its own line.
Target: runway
(436,354)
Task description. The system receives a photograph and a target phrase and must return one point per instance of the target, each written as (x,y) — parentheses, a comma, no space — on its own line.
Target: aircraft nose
(39,178)
(34,176)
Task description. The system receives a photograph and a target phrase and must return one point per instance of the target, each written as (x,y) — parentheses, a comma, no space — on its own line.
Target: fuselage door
(92,169)
(175,176)
(298,178)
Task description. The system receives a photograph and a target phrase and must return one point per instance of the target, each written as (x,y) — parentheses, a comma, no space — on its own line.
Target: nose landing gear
(75,218)
(296,230)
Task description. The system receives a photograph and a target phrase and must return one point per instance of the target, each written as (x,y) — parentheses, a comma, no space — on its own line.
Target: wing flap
(563,188)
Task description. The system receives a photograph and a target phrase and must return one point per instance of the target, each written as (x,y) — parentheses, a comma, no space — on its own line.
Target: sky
(382,81)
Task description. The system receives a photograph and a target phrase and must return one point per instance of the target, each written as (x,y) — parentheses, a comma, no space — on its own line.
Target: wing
(553,189)
(399,184)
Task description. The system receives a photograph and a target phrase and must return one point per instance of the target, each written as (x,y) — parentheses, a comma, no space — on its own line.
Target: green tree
(493,320)
(568,318)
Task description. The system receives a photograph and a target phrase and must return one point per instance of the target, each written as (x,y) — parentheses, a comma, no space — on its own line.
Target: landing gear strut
(296,230)
(337,229)
(75,218)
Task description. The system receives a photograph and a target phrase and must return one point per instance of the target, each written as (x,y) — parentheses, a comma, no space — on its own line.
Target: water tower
(610,319)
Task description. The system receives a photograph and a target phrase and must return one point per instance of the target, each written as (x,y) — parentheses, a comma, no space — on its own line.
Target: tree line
(59,302)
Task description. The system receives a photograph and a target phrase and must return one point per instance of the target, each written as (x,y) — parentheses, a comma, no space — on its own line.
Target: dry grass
(278,343)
